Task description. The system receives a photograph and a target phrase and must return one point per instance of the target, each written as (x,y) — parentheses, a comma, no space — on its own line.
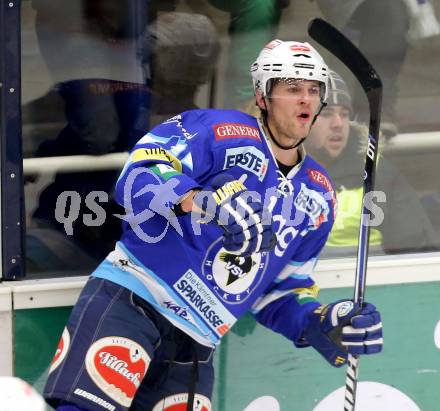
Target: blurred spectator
(339,145)
(184,58)
(252,23)
(90,49)
(176,54)
(423,22)
(380,28)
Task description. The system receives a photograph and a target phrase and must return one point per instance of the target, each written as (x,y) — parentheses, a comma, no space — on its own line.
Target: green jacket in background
(253,24)
(405,227)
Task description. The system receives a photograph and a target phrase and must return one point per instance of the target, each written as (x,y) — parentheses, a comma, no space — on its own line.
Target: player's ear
(261,103)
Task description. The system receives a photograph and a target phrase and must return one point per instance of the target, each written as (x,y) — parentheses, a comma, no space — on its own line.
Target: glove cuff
(321,342)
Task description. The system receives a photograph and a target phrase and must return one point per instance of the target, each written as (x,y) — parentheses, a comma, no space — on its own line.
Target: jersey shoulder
(185,125)
(316,176)
(231,127)
(214,116)
(225,127)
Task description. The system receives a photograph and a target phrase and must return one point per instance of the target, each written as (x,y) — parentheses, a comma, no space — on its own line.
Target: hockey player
(338,144)
(225,214)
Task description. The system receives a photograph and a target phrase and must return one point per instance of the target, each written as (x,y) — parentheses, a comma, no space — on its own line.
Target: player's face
(292,107)
(330,131)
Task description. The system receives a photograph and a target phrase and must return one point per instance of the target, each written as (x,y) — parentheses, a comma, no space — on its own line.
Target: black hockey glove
(343,327)
(247,225)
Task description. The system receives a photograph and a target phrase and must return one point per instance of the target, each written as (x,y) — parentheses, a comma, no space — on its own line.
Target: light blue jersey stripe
(194,325)
(292,276)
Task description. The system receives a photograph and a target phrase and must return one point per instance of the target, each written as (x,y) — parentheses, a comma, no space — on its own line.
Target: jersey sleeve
(165,164)
(284,308)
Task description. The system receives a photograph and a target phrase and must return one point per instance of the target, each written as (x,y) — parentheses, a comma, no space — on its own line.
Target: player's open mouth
(303,117)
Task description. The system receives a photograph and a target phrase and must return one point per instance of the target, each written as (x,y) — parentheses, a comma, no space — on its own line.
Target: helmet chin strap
(266,123)
(323,104)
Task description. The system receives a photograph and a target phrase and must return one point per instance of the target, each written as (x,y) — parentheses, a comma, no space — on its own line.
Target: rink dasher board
(42,300)
(330,273)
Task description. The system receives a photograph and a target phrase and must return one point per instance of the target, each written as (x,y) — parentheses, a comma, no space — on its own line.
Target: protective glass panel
(98,74)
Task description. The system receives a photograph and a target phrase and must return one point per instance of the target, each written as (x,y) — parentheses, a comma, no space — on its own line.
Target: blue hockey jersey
(178,264)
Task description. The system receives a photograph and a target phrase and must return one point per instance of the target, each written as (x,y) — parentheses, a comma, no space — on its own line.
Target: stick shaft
(334,41)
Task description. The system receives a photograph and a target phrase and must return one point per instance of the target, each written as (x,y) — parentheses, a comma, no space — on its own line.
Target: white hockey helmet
(18,395)
(289,59)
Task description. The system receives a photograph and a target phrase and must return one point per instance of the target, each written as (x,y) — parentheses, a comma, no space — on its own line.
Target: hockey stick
(334,41)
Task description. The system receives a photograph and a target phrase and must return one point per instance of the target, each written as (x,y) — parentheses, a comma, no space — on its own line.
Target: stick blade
(334,41)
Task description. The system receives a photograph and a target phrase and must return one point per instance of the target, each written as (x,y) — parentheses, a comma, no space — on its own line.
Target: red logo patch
(300,48)
(272,44)
(223,329)
(235,130)
(60,353)
(323,181)
(320,179)
(178,402)
(117,365)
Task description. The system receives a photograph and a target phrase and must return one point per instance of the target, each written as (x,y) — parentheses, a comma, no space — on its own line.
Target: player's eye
(315,91)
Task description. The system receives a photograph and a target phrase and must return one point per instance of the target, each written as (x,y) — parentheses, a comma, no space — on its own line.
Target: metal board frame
(11,161)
